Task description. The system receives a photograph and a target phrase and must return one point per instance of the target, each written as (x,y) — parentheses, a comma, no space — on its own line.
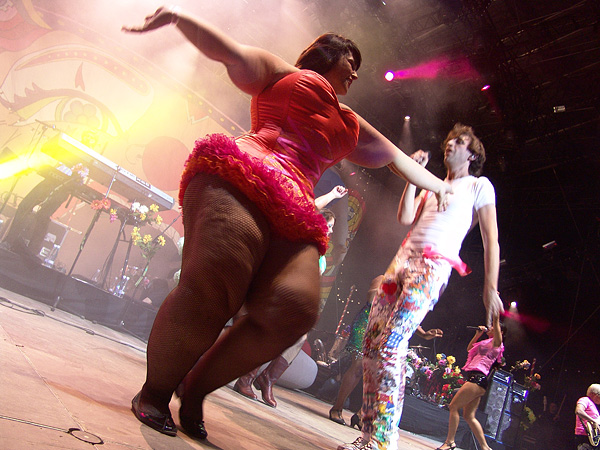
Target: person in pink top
(586,411)
(252,232)
(482,356)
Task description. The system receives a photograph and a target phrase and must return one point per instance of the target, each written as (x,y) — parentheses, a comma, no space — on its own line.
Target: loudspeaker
(511,419)
(504,406)
(493,404)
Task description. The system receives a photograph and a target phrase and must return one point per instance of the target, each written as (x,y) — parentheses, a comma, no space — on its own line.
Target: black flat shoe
(355,422)
(450,446)
(163,423)
(193,428)
(339,419)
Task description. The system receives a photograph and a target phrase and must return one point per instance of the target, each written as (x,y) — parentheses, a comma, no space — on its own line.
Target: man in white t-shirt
(417,276)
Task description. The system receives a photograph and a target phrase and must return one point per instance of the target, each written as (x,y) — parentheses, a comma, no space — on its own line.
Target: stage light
(513,305)
(486,87)
(389,75)
(549,245)
(406,118)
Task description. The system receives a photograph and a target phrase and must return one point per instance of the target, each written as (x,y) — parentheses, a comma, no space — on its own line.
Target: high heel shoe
(356,422)
(450,446)
(339,419)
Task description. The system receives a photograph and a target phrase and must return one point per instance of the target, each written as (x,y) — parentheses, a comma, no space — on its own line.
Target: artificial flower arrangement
(441,379)
(452,377)
(98,205)
(531,380)
(144,215)
(528,418)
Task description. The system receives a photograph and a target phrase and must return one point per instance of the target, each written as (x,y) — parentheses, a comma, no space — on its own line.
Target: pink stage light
(486,87)
(536,324)
(443,67)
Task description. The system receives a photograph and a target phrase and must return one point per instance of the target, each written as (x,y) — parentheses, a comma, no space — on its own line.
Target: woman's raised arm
(251,69)
(375,150)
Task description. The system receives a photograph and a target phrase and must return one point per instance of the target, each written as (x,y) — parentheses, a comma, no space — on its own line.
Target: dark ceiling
(539,122)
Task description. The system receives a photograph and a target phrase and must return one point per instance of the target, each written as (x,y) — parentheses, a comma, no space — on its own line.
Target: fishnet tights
(224,240)
(229,258)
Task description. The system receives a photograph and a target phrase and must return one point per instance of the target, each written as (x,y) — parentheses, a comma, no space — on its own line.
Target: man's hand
(433,333)
(493,305)
(420,156)
(442,197)
(338,192)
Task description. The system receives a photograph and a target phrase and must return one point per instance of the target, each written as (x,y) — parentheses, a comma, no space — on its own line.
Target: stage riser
(77,296)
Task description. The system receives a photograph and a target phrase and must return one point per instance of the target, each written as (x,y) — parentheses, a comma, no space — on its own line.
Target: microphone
(474,328)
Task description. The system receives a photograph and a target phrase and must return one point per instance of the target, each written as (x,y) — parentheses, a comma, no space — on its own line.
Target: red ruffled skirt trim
(291,215)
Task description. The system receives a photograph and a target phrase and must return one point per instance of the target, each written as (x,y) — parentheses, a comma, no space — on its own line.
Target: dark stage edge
(27,276)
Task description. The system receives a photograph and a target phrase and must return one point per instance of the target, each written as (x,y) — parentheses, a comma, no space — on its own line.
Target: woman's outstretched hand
(493,305)
(161,17)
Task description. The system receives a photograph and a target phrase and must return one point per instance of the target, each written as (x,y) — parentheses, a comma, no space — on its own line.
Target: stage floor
(58,371)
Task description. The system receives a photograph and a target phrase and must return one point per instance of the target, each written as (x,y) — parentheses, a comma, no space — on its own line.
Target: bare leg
(349,382)
(467,395)
(469,415)
(226,238)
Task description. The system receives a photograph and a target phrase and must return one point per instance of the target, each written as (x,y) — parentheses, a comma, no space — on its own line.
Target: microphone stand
(340,339)
(82,245)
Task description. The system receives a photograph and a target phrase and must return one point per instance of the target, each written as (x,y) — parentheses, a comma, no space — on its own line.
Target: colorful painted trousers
(411,286)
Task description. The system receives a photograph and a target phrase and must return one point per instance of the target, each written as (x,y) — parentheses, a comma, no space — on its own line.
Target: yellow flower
(161,241)
(154,207)
(457,369)
(451,359)
(135,235)
(438,356)
(142,216)
(537,376)
(113,211)
(147,238)
(158,220)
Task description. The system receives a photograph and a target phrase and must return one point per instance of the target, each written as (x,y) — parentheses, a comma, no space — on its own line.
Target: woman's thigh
(465,395)
(284,295)
(226,238)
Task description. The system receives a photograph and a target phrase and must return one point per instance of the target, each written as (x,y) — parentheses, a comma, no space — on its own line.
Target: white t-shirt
(445,231)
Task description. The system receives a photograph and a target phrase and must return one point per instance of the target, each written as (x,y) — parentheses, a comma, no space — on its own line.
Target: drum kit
(412,379)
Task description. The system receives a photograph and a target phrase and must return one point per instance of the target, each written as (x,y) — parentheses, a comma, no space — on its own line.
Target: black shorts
(476,377)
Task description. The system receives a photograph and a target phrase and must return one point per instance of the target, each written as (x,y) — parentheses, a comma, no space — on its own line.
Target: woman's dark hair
(327,214)
(326,51)
(475,147)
